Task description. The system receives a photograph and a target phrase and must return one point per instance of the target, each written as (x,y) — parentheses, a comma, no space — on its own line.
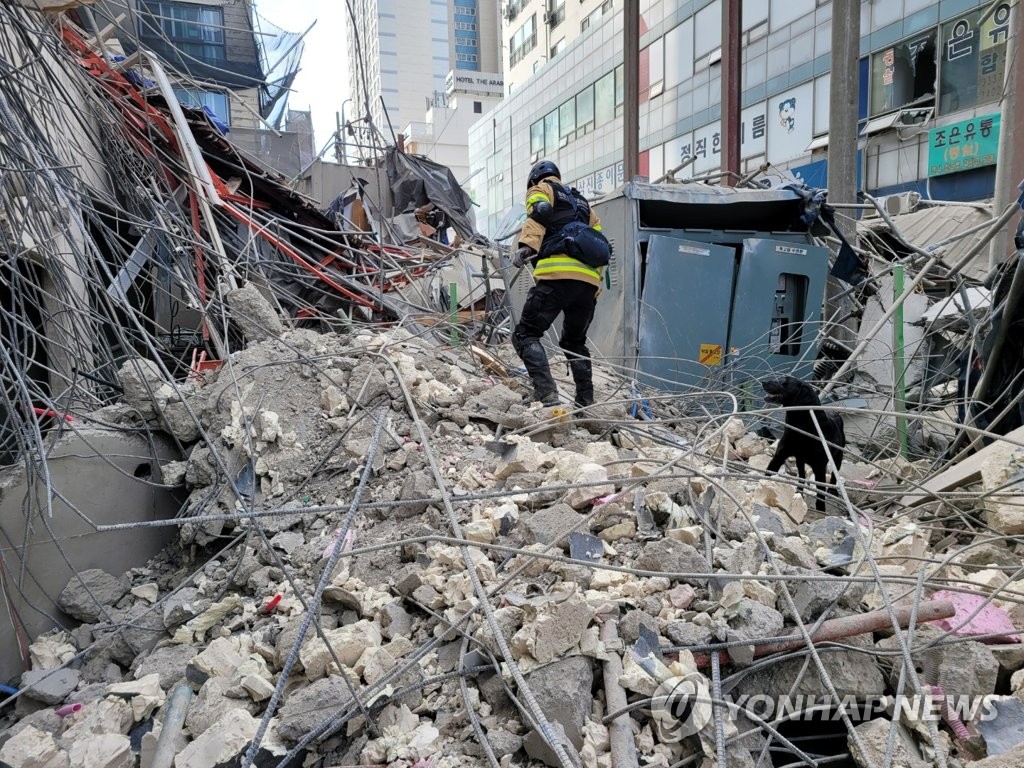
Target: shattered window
(195,30)
(973,59)
(197,98)
(904,75)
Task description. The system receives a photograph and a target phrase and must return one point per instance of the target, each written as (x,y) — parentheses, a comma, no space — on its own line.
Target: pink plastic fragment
(350,539)
(990,620)
(68,709)
(603,500)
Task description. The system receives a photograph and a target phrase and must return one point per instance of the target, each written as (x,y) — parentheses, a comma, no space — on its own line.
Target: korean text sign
(962,146)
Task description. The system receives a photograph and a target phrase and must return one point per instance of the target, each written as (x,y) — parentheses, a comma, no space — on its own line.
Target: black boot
(536,361)
(582,376)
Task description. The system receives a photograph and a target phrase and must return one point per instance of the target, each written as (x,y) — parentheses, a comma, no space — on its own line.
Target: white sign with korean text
(754,130)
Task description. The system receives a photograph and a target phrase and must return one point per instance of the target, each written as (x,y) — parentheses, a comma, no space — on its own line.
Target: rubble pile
(350,498)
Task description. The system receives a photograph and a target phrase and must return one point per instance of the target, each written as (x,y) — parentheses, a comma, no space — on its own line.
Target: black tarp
(416,181)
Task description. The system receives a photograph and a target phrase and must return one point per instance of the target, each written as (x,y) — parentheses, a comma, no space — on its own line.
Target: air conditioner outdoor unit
(905,202)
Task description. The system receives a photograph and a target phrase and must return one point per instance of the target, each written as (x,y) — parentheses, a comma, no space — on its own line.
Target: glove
(522,257)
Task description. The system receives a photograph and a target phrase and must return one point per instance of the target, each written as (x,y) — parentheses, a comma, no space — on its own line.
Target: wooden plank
(964,473)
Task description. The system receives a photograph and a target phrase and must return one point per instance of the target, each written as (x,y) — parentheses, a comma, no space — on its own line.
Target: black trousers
(576,301)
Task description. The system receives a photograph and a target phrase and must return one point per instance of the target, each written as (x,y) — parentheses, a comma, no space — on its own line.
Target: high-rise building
(401,54)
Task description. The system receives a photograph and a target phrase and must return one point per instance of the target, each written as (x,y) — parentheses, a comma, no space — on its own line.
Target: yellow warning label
(710,354)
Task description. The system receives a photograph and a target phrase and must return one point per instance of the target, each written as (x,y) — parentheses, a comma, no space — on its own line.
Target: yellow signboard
(710,354)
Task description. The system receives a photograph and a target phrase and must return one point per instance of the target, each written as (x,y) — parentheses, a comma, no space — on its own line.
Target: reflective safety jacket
(556,266)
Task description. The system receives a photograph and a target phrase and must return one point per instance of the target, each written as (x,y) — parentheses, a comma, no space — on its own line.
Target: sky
(322,84)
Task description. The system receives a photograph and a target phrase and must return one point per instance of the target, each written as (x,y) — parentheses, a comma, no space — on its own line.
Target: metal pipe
(174,718)
(620,734)
(848,626)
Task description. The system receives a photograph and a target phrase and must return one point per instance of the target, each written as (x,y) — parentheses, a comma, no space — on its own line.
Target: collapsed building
(272,494)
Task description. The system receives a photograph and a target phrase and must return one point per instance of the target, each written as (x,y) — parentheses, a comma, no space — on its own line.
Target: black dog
(800,439)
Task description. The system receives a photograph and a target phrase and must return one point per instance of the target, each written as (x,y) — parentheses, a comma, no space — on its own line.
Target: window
(195,30)
(973,59)
(567,121)
(620,85)
(470,57)
(904,75)
(478,107)
(465,26)
(523,41)
(596,15)
(557,16)
(551,130)
(557,48)
(197,98)
(604,99)
(537,138)
(467,41)
(585,109)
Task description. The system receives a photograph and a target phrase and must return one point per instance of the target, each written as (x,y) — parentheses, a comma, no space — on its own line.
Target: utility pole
(631,72)
(732,68)
(842,116)
(1010,159)
(842,132)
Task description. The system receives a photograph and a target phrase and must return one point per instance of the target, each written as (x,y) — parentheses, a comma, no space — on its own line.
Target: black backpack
(578,239)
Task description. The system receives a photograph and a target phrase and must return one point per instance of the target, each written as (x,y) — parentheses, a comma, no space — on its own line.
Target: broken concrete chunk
(563,691)
(88,596)
(671,556)
(49,686)
(1002,478)
(108,750)
(307,707)
(32,748)
(253,313)
(548,525)
(220,743)
(219,659)
(874,737)
(554,629)
(144,695)
(212,702)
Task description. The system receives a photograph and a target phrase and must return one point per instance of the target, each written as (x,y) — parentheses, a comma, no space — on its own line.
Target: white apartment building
(535,32)
(931,77)
(401,53)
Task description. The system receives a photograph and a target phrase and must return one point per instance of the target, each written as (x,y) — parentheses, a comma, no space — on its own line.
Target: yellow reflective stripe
(536,198)
(555,264)
(597,227)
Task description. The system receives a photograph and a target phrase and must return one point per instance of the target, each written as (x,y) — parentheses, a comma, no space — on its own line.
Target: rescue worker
(562,285)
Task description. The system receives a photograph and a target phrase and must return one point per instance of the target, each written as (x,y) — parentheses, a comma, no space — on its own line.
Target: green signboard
(963,146)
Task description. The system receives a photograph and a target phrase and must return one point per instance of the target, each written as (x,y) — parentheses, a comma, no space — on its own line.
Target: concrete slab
(108,477)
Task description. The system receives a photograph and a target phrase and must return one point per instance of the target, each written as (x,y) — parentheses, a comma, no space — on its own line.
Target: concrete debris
(49,686)
(297,439)
(88,596)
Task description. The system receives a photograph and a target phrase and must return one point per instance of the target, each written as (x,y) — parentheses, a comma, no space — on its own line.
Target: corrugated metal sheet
(932,225)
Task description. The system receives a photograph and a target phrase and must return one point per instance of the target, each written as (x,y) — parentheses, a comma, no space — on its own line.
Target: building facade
(535,32)
(931,78)
(400,55)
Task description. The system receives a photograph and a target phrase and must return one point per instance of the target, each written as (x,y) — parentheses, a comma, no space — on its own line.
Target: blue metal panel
(687,293)
(776,313)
